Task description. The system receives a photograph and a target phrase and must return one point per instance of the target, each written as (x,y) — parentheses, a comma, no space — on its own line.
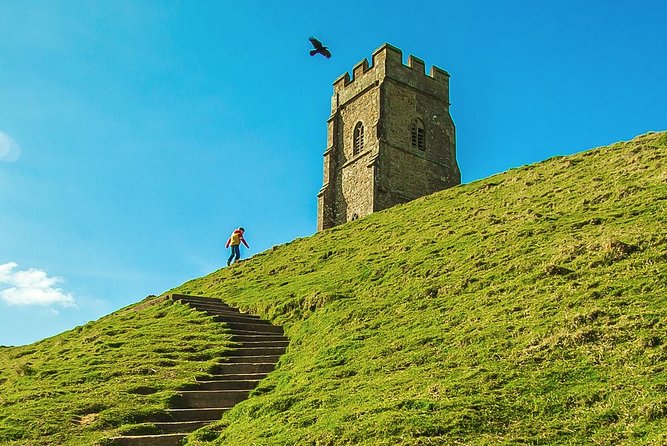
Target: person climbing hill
(234,242)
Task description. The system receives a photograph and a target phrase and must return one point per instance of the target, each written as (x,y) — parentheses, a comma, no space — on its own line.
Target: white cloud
(9,149)
(31,287)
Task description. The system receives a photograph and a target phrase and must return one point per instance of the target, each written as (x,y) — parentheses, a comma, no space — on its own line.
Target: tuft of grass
(526,308)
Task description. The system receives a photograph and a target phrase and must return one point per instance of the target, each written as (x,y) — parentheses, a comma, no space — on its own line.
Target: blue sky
(135,136)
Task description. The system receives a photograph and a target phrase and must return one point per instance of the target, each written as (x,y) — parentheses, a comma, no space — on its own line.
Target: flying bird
(319,48)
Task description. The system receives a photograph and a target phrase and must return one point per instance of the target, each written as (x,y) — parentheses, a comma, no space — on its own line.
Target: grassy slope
(527,308)
(79,386)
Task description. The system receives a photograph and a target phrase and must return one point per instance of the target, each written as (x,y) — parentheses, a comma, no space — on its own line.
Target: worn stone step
(257,337)
(259,344)
(223,312)
(258,351)
(227,369)
(148,440)
(212,306)
(234,377)
(257,327)
(245,384)
(209,398)
(181,426)
(218,308)
(252,359)
(196,414)
(167,427)
(227,319)
(202,306)
(246,336)
(190,298)
(250,333)
(213,310)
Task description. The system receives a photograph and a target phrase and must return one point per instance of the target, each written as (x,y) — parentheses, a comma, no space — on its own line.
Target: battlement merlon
(387,62)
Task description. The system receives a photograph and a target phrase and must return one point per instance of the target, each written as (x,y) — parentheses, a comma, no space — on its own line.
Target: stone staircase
(260,345)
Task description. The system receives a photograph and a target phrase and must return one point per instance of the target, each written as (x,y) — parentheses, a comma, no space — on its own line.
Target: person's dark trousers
(236,253)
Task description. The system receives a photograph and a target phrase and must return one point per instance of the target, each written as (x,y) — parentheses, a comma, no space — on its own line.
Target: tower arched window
(418,136)
(358,142)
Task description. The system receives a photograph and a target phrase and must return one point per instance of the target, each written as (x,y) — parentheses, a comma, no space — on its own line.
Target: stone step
(234,377)
(189,298)
(243,338)
(253,336)
(224,312)
(258,344)
(227,318)
(246,327)
(175,427)
(166,427)
(148,440)
(228,369)
(249,335)
(236,333)
(212,306)
(223,308)
(211,310)
(196,414)
(252,359)
(244,384)
(209,398)
(258,351)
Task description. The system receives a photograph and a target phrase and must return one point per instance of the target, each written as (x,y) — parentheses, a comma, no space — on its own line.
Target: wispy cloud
(31,287)
(9,149)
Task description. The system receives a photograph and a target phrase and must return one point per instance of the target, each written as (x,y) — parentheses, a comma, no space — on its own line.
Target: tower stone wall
(384,167)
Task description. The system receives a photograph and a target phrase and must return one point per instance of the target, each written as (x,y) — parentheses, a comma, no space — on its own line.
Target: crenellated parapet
(387,63)
(390,137)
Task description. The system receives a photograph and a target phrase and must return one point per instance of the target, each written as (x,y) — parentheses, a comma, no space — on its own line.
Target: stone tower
(390,138)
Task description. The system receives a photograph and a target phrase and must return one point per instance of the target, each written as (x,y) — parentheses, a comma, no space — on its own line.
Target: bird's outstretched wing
(319,48)
(316,43)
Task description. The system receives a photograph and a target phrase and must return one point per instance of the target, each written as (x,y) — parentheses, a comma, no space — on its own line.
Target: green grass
(526,308)
(101,378)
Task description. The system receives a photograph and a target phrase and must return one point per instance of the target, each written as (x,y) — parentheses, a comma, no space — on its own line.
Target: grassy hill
(526,308)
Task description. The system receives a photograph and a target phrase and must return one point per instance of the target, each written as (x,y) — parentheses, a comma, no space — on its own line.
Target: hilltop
(525,308)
